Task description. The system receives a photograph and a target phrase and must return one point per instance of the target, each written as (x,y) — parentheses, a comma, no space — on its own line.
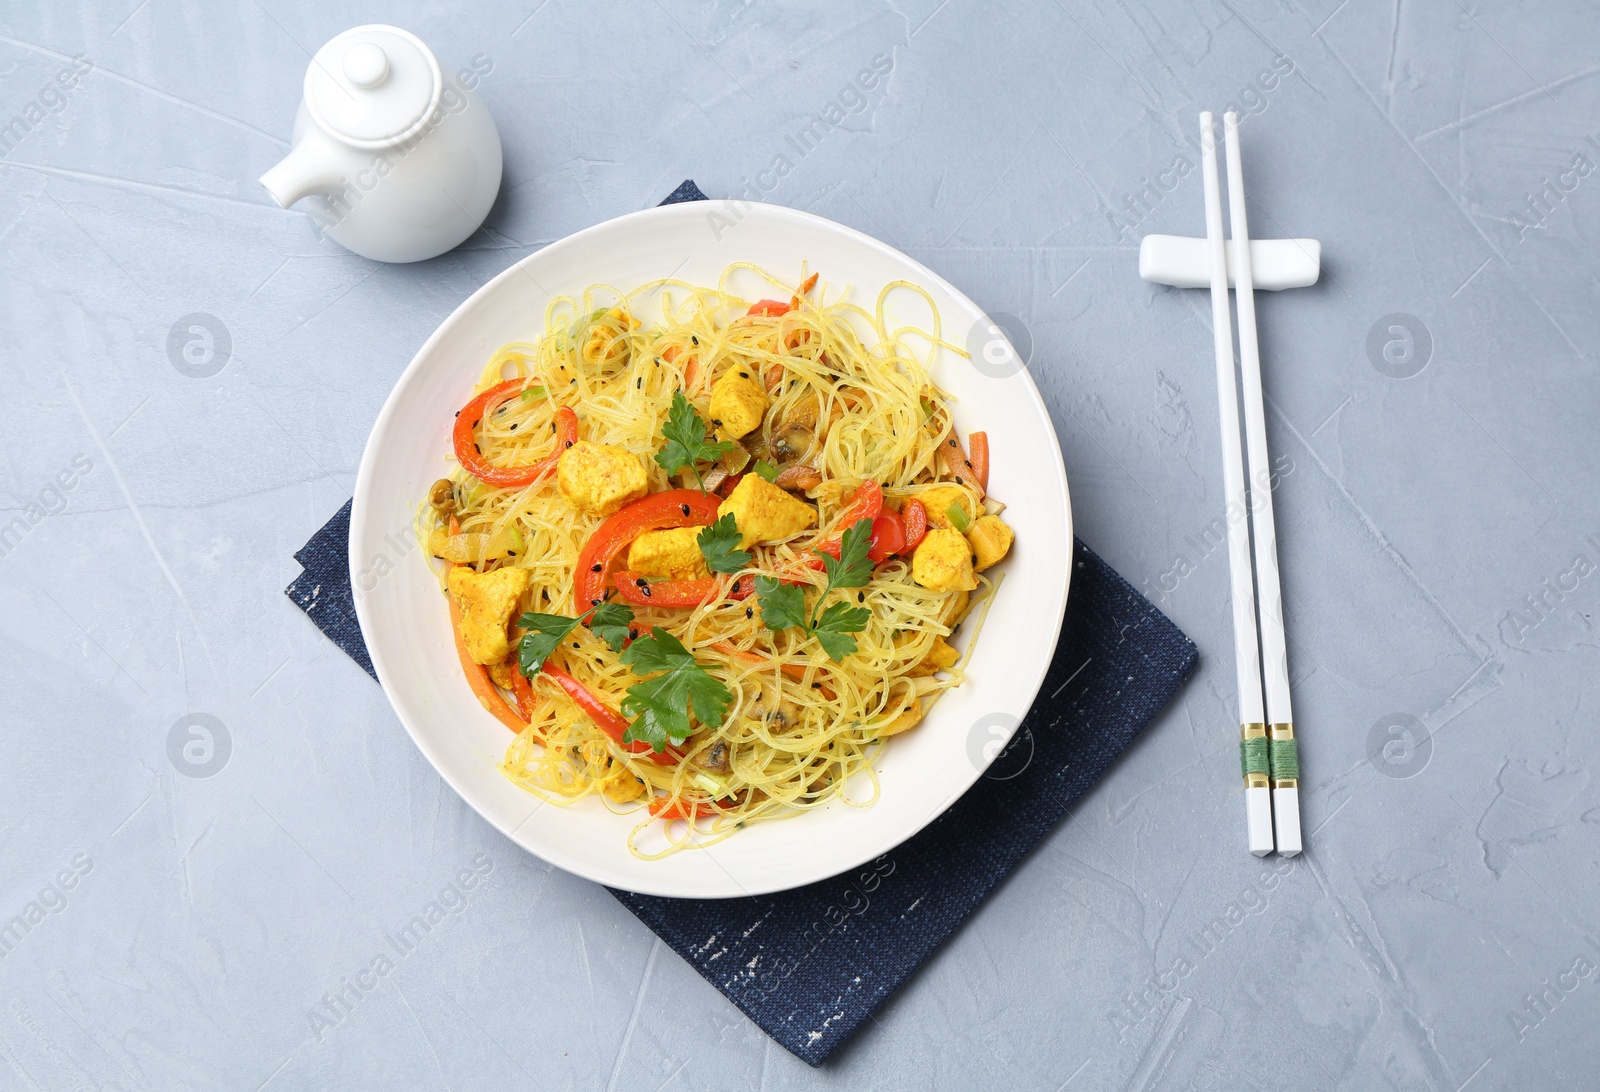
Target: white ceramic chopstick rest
(1180,261)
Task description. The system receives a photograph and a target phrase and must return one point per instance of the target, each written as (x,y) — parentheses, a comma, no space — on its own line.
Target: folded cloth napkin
(811,964)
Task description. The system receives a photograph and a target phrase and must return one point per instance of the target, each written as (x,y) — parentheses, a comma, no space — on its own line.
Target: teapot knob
(366,65)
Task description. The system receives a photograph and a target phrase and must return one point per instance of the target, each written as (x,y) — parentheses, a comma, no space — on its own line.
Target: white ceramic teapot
(398,160)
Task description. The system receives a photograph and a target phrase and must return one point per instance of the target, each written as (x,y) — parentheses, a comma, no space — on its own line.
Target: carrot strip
(664,807)
(478,678)
(956,461)
(979,442)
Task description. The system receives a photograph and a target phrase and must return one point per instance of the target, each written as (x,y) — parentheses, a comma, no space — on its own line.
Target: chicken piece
(941,657)
(606,342)
(738,403)
(487,601)
(905,711)
(939,499)
(597,479)
(615,780)
(766,513)
(671,555)
(944,561)
(622,787)
(990,540)
(503,674)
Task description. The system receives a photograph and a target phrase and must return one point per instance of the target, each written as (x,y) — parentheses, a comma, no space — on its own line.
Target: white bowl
(921,773)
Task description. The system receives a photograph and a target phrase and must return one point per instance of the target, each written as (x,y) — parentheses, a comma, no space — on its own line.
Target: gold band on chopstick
(1254,755)
(1284,757)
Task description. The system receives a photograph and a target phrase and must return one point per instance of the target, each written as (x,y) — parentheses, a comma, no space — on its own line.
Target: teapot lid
(373,86)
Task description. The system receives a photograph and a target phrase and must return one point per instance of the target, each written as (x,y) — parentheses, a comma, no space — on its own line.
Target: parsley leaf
(661,705)
(719,545)
(686,445)
(833,629)
(610,622)
(544,636)
(852,568)
(766,470)
(782,605)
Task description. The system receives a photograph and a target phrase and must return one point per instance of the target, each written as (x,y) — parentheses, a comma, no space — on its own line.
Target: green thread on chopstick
(1285,760)
(1253,756)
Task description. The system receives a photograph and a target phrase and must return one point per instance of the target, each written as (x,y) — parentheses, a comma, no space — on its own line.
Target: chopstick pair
(1269,752)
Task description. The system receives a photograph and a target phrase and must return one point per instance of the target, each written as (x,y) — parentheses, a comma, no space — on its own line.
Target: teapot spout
(311,167)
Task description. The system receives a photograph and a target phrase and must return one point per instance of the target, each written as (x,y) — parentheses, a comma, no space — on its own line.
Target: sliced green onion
(534,392)
(958,517)
(766,470)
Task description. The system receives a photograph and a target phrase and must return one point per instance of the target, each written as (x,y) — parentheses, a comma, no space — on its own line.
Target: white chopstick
(1247,665)
(1284,757)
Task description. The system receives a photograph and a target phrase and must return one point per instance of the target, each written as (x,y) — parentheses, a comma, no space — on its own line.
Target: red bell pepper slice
(657,512)
(979,442)
(888,536)
(608,721)
(635,589)
(866,504)
(916,517)
(472,460)
(769,307)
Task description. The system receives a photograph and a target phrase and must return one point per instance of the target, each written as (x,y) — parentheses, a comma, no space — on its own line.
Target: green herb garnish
(687,445)
(534,392)
(766,470)
(783,606)
(608,621)
(662,703)
(958,517)
(719,545)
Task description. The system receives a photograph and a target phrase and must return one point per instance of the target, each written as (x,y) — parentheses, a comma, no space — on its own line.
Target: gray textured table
(1437,507)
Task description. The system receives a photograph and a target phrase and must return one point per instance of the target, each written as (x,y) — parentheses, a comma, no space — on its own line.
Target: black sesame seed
(717,421)
(744,375)
(513,428)
(952,441)
(458,413)
(597,568)
(638,384)
(644,590)
(694,339)
(476,448)
(861,597)
(749,612)
(959,481)
(642,582)
(685,508)
(633,634)
(569,443)
(816,686)
(574,644)
(594,602)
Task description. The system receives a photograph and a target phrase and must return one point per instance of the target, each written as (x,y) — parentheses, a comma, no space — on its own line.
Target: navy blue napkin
(811,964)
